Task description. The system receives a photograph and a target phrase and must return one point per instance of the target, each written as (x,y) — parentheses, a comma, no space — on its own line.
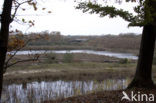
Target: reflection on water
(36,92)
(106,53)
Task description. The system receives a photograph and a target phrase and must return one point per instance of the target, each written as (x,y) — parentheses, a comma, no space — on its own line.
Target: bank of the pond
(109,97)
(68,47)
(68,71)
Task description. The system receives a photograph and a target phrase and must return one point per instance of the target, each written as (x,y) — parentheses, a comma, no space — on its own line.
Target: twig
(34,59)
(6,63)
(16,9)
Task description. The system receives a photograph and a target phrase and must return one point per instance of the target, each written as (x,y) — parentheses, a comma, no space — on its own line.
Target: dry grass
(68,71)
(105,97)
(84,66)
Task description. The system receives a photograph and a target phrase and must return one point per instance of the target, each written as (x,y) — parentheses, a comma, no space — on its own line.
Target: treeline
(128,41)
(122,41)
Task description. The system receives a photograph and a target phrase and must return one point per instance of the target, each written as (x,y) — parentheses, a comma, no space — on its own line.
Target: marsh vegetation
(66,72)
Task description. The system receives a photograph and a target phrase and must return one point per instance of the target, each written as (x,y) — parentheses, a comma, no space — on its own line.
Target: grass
(75,66)
(69,71)
(61,59)
(83,66)
(106,97)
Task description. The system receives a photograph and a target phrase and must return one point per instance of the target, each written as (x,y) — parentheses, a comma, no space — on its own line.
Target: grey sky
(68,21)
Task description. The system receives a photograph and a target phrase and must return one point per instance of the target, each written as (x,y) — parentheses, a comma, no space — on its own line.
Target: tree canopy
(146,17)
(145,12)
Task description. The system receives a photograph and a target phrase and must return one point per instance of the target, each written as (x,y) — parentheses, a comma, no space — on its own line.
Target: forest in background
(56,41)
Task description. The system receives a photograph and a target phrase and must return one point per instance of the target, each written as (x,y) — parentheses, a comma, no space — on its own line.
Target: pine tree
(146,18)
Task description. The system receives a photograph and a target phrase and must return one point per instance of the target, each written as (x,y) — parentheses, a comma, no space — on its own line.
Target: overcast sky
(69,21)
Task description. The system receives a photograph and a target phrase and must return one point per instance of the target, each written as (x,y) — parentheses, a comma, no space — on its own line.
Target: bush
(51,58)
(68,57)
(124,61)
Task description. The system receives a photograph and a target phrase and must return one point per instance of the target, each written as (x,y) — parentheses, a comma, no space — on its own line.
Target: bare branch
(16,9)
(11,57)
(0,17)
(27,60)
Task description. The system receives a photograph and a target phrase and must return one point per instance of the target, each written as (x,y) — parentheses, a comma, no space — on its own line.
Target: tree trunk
(143,75)
(4,34)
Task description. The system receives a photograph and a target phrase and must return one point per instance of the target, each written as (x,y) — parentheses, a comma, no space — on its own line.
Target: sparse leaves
(17,4)
(43,8)
(23,20)
(33,4)
(49,12)
(15,42)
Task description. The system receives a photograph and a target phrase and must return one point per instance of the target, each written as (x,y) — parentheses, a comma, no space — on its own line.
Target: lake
(36,92)
(105,53)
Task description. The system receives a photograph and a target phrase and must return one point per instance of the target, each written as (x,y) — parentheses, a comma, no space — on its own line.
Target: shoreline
(113,96)
(42,47)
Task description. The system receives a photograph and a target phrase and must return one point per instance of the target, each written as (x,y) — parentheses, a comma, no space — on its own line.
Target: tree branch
(18,49)
(106,10)
(27,60)
(16,9)
(0,17)
(6,65)
(112,12)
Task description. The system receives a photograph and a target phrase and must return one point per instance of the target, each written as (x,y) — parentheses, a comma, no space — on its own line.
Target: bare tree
(4,34)
(6,18)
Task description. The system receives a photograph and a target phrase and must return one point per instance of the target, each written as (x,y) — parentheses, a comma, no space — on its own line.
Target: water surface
(36,92)
(105,53)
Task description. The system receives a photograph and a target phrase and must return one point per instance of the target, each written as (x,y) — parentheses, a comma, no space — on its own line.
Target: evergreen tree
(146,18)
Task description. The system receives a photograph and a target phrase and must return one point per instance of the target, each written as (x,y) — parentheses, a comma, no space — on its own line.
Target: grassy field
(89,70)
(70,67)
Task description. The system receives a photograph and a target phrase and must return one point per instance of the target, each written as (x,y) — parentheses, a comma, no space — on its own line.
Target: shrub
(51,58)
(124,61)
(68,57)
